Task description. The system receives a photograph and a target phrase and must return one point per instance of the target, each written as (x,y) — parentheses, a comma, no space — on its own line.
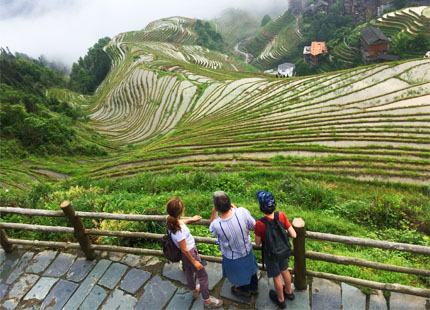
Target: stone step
(72,282)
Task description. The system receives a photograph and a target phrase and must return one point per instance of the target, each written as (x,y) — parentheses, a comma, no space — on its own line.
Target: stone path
(33,279)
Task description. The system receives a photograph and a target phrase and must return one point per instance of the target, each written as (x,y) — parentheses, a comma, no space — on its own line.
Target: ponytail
(175,208)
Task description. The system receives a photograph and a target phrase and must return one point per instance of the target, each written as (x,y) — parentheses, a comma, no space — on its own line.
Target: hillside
(272,43)
(188,107)
(347,151)
(408,30)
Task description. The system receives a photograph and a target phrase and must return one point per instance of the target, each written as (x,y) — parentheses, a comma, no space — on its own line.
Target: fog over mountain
(64,29)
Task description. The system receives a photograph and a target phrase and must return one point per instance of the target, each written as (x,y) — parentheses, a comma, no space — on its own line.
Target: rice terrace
(346,147)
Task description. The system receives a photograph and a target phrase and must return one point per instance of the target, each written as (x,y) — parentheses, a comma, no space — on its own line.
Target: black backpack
(170,250)
(276,246)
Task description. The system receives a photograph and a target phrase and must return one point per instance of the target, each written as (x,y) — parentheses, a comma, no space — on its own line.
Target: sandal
(214,303)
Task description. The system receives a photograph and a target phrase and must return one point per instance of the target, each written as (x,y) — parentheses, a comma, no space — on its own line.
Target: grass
(330,205)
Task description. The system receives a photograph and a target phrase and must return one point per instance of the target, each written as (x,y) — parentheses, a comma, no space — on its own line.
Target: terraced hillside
(172,107)
(366,123)
(274,41)
(398,25)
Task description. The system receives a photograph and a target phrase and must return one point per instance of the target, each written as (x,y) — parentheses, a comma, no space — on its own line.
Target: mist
(63,30)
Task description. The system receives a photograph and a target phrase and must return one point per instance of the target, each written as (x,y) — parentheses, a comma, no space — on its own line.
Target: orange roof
(318,48)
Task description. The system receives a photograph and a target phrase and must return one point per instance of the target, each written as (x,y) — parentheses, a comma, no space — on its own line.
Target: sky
(63,30)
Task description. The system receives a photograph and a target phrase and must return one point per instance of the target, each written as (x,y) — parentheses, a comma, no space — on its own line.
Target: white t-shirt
(182,234)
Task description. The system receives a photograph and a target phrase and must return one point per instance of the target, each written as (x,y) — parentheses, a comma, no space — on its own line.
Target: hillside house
(320,6)
(286,69)
(313,54)
(366,9)
(373,43)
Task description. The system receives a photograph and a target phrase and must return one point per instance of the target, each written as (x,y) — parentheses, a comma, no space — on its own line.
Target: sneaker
(238,292)
(196,292)
(214,303)
(289,296)
(274,297)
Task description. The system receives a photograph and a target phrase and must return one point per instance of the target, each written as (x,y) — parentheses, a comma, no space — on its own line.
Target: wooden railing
(300,254)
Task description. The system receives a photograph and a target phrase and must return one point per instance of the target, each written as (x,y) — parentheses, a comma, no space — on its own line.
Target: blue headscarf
(266,200)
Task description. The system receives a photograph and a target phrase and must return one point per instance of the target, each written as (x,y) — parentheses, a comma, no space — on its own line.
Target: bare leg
(287,280)
(279,287)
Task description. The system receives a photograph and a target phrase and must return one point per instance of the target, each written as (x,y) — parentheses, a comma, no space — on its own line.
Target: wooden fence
(300,254)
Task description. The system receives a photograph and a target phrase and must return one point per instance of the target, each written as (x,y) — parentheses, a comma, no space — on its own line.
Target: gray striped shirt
(233,233)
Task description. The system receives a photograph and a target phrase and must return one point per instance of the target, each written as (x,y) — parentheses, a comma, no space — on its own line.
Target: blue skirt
(239,271)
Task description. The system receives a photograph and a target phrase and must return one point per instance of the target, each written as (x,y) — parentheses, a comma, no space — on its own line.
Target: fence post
(5,243)
(79,228)
(299,254)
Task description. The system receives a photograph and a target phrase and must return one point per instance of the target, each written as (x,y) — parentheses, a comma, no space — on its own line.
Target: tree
(265,20)
(90,71)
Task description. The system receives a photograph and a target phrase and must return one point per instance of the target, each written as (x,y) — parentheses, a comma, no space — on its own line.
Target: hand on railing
(195,218)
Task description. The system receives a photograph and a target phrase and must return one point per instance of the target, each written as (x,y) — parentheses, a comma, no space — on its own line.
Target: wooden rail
(300,254)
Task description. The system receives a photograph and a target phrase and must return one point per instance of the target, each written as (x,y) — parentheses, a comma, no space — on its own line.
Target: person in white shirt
(191,261)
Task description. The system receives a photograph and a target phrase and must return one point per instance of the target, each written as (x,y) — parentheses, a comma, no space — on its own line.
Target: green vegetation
(182,120)
(377,211)
(265,20)
(91,70)
(30,121)
(208,37)
(324,27)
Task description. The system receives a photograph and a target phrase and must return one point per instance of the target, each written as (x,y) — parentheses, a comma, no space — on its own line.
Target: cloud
(65,29)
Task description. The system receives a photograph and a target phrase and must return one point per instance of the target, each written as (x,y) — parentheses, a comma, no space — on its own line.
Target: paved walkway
(35,279)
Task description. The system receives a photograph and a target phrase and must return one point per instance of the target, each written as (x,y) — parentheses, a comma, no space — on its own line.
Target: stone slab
(226,292)
(41,261)
(19,269)
(263,300)
(157,293)
(94,299)
(60,265)
(134,280)
(199,304)
(352,297)
(118,300)
(9,304)
(116,256)
(41,288)
(21,287)
(182,299)
(400,301)
(214,271)
(80,269)
(3,290)
(87,285)
(113,275)
(59,295)
(377,301)
(174,271)
(301,302)
(11,260)
(153,261)
(325,295)
(131,260)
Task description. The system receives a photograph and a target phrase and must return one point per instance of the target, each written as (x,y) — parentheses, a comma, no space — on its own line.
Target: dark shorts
(274,268)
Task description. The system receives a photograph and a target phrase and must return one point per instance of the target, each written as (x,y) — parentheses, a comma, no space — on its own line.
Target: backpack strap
(276,216)
(266,222)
